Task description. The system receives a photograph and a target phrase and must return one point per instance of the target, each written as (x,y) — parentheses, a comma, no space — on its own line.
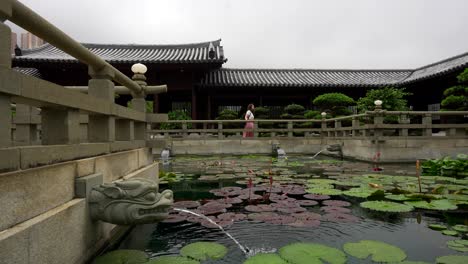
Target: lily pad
(380,251)
(450,232)
(337,203)
(335,209)
(384,206)
(232,216)
(307,202)
(280,220)
(186,204)
(122,256)
(437,227)
(413,262)
(398,197)
(458,245)
(172,260)
(340,218)
(265,258)
(260,208)
(452,259)
(442,205)
(311,253)
(460,228)
(362,192)
(174,218)
(204,250)
(316,197)
(323,191)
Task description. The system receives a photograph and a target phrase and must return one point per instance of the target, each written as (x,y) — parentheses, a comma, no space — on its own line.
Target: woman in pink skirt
(249,117)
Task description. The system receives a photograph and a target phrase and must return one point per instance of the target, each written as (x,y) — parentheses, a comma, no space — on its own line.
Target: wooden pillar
(194,104)
(208,110)
(156,103)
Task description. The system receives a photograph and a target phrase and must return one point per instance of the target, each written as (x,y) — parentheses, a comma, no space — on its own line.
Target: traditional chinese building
(198,83)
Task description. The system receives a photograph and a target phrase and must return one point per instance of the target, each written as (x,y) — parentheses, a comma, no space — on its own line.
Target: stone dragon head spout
(129,202)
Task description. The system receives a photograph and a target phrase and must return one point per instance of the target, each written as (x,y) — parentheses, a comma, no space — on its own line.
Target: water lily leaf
(458,245)
(324,191)
(437,227)
(460,228)
(413,262)
(321,181)
(450,233)
(311,253)
(204,250)
(452,259)
(380,251)
(442,205)
(399,197)
(172,260)
(384,206)
(123,256)
(362,192)
(265,258)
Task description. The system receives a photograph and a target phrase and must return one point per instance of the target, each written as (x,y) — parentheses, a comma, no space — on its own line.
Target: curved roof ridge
(442,61)
(317,70)
(139,46)
(39,48)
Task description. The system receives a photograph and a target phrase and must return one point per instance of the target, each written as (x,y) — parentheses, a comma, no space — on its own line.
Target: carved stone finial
(130,202)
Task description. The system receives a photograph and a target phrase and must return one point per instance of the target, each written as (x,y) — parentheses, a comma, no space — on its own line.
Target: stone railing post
(101,128)
(290,127)
(427,123)
(184,129)
(220,130)
(403,120)
(60,126)
(255,129)
(26,120)
(203,134)
(5,62)
(138,100)
(378,120)
(324,127)
(337,127)
(354,127)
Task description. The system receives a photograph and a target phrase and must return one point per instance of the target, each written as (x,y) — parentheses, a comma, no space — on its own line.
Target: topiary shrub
(334,103)
(263,113)
(176,115)
(456,97)
(228,114)
(393,99)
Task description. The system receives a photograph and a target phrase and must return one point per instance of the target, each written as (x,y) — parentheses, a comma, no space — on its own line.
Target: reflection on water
(407,231)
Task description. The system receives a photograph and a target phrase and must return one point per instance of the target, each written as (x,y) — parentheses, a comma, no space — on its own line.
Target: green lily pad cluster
(123,256)
(441,205)
(383,206)
(379,251)
(458,245)
(452,259)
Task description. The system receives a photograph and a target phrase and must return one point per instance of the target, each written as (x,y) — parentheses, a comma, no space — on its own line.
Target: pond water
(194,177)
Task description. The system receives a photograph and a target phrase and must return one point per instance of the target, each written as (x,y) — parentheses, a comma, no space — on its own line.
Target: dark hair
(250,106)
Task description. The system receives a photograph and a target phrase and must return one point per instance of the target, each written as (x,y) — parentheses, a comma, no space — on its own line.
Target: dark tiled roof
(186,53)
(304,78)
(439,68)
(332,78)
(28,71)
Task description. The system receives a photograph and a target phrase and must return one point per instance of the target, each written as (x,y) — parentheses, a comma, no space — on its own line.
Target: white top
(249,115)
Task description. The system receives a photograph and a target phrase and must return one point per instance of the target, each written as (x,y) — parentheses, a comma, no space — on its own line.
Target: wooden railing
(370,124)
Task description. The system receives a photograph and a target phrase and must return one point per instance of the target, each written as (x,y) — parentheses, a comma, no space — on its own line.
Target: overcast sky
(325,34)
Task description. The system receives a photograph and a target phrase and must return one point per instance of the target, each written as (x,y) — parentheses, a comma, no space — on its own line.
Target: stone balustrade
(370,125)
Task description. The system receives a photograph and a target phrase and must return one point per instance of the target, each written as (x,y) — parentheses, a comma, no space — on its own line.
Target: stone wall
(43,220)
(401,149)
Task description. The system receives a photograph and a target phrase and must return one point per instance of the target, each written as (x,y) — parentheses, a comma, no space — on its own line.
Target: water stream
(316,154)
(244,249)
